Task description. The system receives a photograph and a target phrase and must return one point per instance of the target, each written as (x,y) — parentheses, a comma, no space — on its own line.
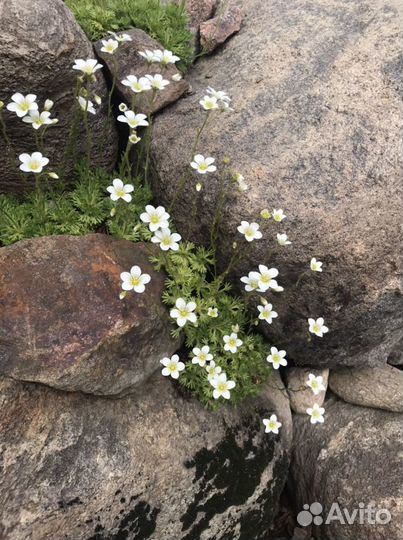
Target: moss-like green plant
(166,22)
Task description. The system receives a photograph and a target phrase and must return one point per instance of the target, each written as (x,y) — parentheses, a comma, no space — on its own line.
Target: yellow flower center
(155,219)
(166,241)
(315,413)
(183,313)
(316,328)
(232,342)
(272,424)
(276,358)
(202,356)
(135,281)
(254,284)
(222,386)
(120,193)
(24,106)
(314,384)
(35,165)
(203,166)
(172,368)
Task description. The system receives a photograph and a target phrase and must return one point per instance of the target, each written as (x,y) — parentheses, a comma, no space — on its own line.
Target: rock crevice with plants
(174,287)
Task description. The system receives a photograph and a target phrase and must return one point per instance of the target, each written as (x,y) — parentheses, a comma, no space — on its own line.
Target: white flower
(316,266)
(271,424)
(166,239)
(266,313)
(119,190)
(172,366)
(132,119)
(232,342)
(48,105)
(165,57)
(157,218)
(278,215)
(148,55)
(37,120)
(240,180)
(277,358)
(250,231)
(266,280)
(201,356)
(212,370)
(88,67)
(220,95)
(282,239)
(86,105)
(176,77)
(203,165)
(224,106)
(265,214)
(142,84)
(318,327)
(22,105)
(316,413)
(109,45)
(209,103)
(121,38)
(212,312)
(157,81)
(183,312)
(221,386)
(134,280)
(33,163)
(251,281)
(315,383)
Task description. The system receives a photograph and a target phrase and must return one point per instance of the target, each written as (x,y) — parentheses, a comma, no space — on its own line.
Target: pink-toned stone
(217,30)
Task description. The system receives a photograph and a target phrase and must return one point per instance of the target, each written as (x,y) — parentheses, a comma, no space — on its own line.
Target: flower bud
(1,104)
(198,186)
(177,77)
(123,107)
(97,99)
(235,328)
(53,175)
(226,160)
(113,212)
(134,139)
(48,105)
(122,295)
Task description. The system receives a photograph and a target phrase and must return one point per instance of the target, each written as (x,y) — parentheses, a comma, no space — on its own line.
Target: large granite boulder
(154,465)
(349,468)
(61,320)
(316,131)
(39,42)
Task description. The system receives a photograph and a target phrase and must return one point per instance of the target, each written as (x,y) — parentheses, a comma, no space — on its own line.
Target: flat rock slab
(127,61)
(61,320)
(381,387)
(39,42)
(317,132)
(355,458)
(155,465)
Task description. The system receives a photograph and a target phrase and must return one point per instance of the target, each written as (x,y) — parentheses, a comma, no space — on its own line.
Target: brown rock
(154,465)
(379,387)
(62,323)
(127,61)
(199,10)
(316,131)
(301,395)
(350,463)
(39,42)
(216,31)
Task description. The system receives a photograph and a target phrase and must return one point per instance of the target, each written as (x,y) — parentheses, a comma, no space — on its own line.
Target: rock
(199,11)
(395,358)
(381,387)
(156,464)
(39,42)
(216,31)
(301,395)
(350,459)
(316,131)
(127,61)
(61,320)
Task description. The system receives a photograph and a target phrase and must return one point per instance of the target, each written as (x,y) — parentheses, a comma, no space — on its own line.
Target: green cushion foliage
(166,22)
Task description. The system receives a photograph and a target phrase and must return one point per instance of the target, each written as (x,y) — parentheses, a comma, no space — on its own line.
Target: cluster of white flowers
(164,57)
(27,108)
(262,281)
(111,45)
(316,412)
(215,100)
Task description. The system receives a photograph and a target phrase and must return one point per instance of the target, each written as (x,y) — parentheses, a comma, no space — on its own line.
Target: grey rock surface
(39,42)
(156,465)
(316,131)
